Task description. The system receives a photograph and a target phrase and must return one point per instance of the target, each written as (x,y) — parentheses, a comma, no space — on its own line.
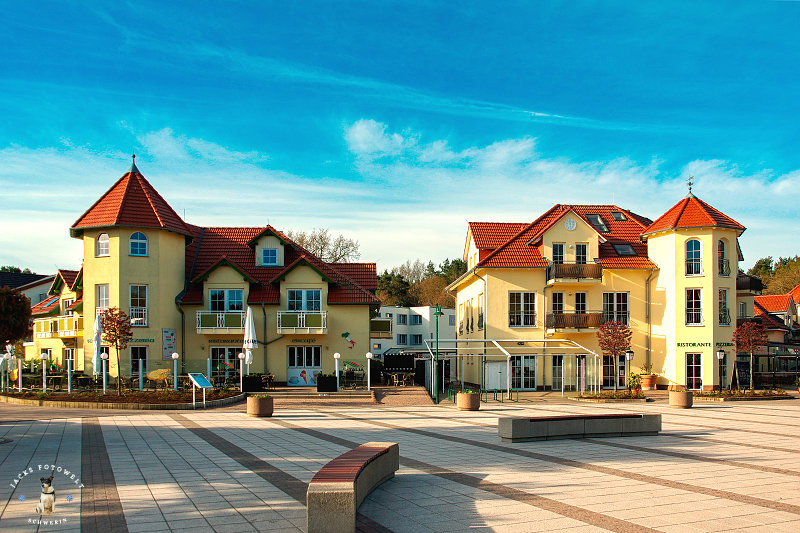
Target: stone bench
(339,487)
(577,426)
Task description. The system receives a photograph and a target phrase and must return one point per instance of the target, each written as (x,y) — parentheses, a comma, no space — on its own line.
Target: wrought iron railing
(724,267)
(575,271)
(724,317)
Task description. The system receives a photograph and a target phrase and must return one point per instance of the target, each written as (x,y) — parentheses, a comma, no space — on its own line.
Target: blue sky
(395,123)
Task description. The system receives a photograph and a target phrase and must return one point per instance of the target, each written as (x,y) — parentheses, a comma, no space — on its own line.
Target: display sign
(200,380)
(694,345)
(169,343)
(741,375)
(302,377)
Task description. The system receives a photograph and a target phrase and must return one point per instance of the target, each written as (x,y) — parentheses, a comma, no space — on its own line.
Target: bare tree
(412,271)
(329,248)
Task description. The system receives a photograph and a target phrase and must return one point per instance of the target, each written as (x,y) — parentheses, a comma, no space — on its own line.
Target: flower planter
(259,406)
(649,381)
(680,399)
(468,401)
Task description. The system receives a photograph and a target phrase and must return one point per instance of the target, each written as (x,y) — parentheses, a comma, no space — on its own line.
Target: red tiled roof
(767,320)
(795,294)
(46,306)
(131,202)
(69,277)
(490,235)
(691,212)
(523,250)
(774,303)
(350,283)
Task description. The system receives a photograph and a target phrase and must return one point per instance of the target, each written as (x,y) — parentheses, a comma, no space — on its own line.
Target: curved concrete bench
(577,426)
(337,490)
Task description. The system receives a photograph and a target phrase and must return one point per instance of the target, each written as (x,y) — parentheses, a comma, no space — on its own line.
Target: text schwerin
(51,469)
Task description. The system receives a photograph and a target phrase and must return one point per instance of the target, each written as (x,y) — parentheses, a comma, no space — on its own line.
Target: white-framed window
(580,302)
(49,352)
(101,294)
(68,354)
(724,312)
(138,357)
(305,356)
(416,320)
(402,319)
(402,339)
(694,307)
(521,309)
(558,302)
(694,262)
(304,299)
(138,244)
(269,256)
(452,321)
(742,309)
(138,305)
(65,304)
(558,253)
(694,371)
(226,299)
(416,340)
(615,307)
(101,246)
(581,253)
(724,266)
(389,315)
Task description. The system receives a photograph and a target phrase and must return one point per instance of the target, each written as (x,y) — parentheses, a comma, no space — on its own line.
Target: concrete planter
(259,406)
(680,399)
(649,381)
(468,401)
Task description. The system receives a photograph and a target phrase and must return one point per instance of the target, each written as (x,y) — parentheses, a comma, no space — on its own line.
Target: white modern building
(405,329)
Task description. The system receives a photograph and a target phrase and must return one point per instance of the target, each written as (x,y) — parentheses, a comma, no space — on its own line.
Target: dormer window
(139,244)
(624,250)
(619,216)
(269,256)
(101,248)
(598,222)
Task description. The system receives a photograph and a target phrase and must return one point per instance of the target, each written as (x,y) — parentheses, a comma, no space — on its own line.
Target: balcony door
(304,300)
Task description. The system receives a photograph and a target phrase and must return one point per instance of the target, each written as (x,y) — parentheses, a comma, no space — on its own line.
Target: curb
(130,406)
(745,399)
(611,400)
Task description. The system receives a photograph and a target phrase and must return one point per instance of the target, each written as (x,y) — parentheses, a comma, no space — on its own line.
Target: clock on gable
(570,224)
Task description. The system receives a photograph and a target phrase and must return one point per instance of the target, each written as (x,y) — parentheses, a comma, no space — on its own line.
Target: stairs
(311,394)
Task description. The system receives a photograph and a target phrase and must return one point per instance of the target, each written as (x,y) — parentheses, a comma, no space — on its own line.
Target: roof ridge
(520,232)
(150,200)
(124,197)
(99,199)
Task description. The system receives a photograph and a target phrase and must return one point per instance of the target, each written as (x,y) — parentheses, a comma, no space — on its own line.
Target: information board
(741,379)
(200,380)
(169,343)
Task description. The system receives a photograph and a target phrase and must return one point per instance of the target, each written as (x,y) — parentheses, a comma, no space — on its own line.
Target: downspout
(485,324)
(183,339)
(264,312)
(647,316)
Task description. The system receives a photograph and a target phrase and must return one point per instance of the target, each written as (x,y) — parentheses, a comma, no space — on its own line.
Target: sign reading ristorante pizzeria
(701,344)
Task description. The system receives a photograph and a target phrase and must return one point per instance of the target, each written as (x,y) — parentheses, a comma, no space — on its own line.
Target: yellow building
(559,278)
(186,289)
(58,322)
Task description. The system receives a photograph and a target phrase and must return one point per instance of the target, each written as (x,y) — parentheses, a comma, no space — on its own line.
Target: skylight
(598,223)
(624,249)
(618,215)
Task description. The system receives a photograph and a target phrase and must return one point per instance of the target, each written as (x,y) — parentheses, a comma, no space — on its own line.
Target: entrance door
(621,372)
(224,361)
(305,362)
(496,375)
(694,376)
(558,372)
(608,372)
(523,372)
(138,353)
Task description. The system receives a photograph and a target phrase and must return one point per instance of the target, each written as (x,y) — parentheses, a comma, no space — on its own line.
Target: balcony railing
(724,317)
(752,284)
(380,328)
(583,320)
(220,322)
(66,326)
(575,271)
(724,267)
(138,316)
(303,322)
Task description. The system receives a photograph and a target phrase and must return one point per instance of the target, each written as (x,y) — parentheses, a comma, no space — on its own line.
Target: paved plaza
(716,467)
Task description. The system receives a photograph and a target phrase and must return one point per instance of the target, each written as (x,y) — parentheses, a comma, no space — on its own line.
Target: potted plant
(634,383)
(648,377)
(468,400)
(797,384)
(326,382)
(679,397)
(259,405)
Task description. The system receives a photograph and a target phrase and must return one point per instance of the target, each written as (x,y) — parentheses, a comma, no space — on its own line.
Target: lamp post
(44,371)
(104,357)
(369,359)
(241,371)
(720,358)
(437,314)
(175,357)
(628,359)
(336,357)
(7,358)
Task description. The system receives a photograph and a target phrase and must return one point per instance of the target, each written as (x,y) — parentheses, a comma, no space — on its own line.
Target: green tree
(393,289)
(748,338)
(614,339)
(762,269)
(15,316)
(116,326)
(15,270)
(451,270)
(786,276)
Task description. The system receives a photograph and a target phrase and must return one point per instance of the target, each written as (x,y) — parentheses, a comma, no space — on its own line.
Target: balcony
(214,322)
(60,327)
(573,321)
(380,328)
(309,322)
(724,317)
(574,273)
(748,284)
(138,316)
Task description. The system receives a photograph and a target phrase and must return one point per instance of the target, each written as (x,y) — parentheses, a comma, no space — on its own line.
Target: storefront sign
(305,341)
(142,340)
(694,345)
(730,344)
(222,341)
(169,343)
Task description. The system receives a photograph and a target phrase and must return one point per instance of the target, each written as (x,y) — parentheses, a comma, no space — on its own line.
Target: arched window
(722,256)
(693,261)
(101,247)
(138,244)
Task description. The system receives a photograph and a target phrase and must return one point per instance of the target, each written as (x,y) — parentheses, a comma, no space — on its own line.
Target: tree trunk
(751,372)
(119,374)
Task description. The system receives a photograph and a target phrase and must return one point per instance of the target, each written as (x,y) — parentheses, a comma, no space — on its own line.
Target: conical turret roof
(692,212)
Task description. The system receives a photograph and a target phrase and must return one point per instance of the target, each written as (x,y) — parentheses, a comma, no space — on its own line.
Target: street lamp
(241,371)
(437,314)
(175,357)
(628,359)
(369,359)
(336,357)
(7,358)
(720,358)
(104,357)
(45,355)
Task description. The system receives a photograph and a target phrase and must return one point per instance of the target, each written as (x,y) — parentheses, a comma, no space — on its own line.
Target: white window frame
(723,304)
(580,302)
(558,253)
(615,309)
(135,239)
(301,356)
(694,385)
(138,312)
(99,301)
(695,262)
(264,261)
(558,303)
(415,320)
(227,302)
(102,246)
(527,309)
(416,339)
(742,309)
(699,308)
(402,339)
(581,258)
(309,301)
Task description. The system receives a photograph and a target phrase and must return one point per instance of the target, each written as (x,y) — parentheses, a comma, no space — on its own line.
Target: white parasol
(250,341)
(97,339)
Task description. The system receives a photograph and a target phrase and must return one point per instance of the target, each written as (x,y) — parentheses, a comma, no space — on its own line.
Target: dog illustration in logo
(47,501)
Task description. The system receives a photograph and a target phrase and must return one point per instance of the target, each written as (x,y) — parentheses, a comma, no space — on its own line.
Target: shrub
(260,396)
(634,382)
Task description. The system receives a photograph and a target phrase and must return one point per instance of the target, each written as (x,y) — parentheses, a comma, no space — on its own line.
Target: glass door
(694,378)
(138,363)
(608,372)
(558,372)
(304,364)
(523,372)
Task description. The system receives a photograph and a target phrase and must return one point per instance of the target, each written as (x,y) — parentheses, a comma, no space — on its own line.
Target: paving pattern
(716,467)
